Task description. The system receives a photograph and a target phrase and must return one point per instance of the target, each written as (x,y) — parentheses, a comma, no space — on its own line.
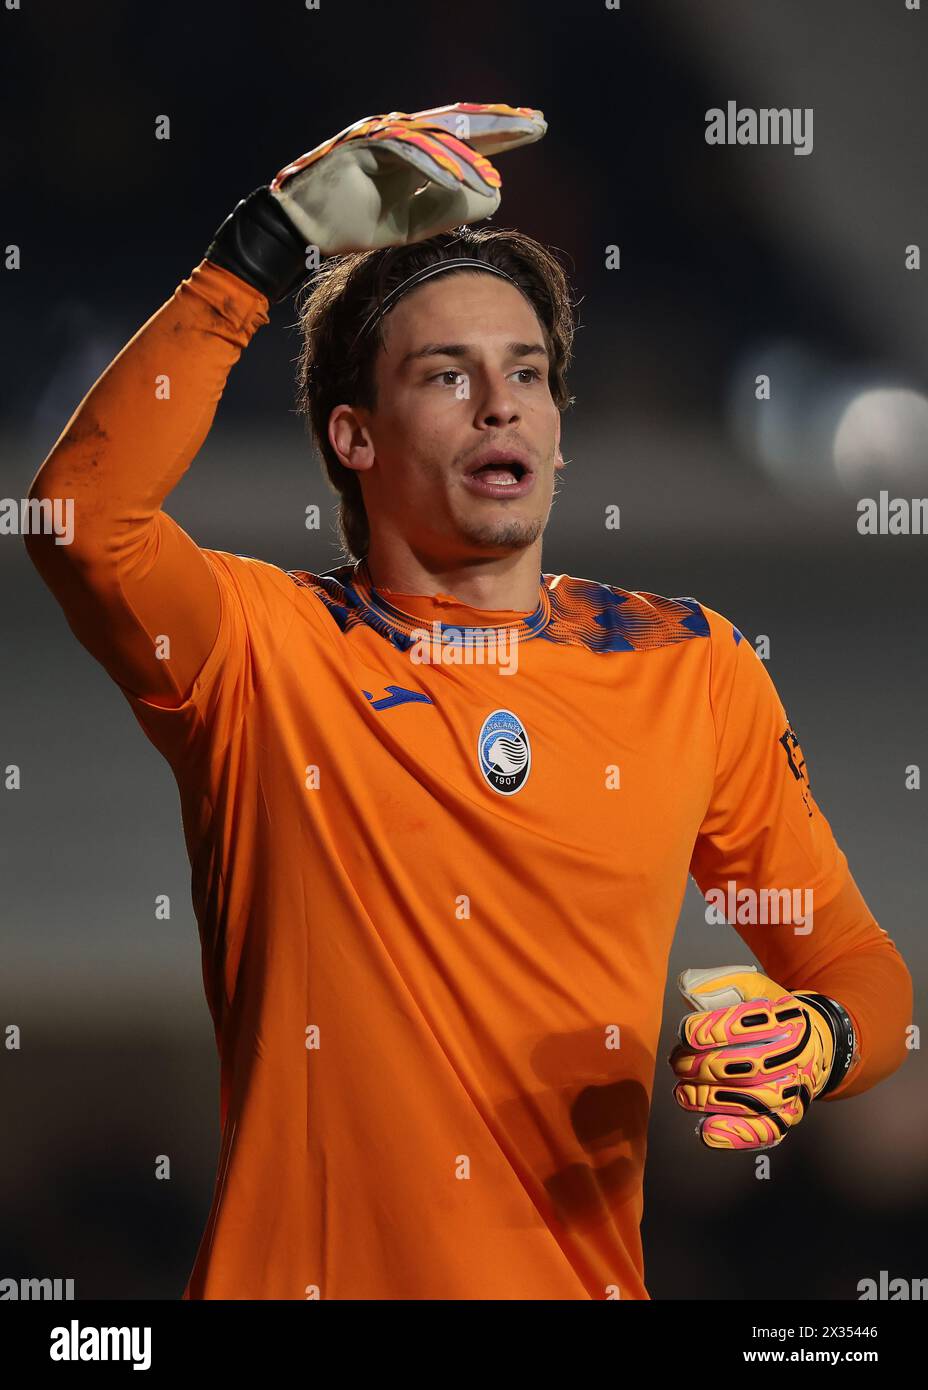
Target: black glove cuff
(842,1030)
(260,245)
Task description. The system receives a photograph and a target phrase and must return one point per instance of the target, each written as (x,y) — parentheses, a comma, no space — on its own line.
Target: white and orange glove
(755,1055)
(384,181)
(399,178)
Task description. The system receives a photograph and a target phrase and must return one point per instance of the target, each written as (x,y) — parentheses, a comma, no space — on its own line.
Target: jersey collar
(448,612)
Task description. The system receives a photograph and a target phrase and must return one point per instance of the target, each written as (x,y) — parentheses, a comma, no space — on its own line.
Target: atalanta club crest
(503,752)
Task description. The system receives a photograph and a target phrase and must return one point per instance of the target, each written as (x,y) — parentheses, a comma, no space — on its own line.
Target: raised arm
(131,575)
(132,578)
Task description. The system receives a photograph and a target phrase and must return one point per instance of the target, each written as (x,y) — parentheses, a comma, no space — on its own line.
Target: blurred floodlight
(784,434)
(881,440)
(826,427)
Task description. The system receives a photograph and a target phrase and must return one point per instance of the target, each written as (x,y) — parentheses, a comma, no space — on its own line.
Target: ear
(350,437)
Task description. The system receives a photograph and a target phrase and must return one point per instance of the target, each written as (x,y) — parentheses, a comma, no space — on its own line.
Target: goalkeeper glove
(384,181)
(756,1056)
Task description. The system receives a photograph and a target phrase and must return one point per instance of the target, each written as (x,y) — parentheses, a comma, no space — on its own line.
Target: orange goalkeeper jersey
(436,897)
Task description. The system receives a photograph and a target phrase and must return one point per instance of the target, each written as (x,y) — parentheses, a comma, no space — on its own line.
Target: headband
(416,279)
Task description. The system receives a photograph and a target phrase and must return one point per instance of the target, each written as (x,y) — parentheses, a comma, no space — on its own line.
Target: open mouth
(503,472)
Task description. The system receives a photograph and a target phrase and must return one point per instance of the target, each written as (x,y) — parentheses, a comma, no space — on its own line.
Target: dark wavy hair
(336,301)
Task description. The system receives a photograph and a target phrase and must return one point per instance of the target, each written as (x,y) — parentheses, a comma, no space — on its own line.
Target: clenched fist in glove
(755,1056)
(383,181)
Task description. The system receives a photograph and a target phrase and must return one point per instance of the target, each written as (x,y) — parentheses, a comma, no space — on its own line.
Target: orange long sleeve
(764,830)
(132,577)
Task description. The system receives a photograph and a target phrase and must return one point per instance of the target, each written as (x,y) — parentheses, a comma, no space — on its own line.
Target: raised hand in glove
(384,181)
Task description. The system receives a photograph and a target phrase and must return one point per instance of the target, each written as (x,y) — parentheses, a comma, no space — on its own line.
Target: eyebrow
(513,349)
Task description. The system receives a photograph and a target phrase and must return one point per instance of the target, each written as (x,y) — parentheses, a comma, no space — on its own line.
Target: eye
(449,371)
(533,372)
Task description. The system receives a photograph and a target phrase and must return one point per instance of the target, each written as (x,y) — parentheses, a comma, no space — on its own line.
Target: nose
(498,404)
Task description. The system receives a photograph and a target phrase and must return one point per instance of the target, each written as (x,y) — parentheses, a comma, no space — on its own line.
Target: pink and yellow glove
(755,1056)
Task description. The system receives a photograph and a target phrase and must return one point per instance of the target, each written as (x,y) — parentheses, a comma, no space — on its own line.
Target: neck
(507,583)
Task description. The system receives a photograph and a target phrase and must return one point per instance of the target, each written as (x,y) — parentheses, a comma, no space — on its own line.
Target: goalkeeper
(435,894)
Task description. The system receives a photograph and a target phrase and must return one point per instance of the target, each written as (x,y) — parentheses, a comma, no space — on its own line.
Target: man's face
(463,371)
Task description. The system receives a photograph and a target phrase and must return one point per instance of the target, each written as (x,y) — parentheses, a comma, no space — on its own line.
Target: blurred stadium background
(734,261)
